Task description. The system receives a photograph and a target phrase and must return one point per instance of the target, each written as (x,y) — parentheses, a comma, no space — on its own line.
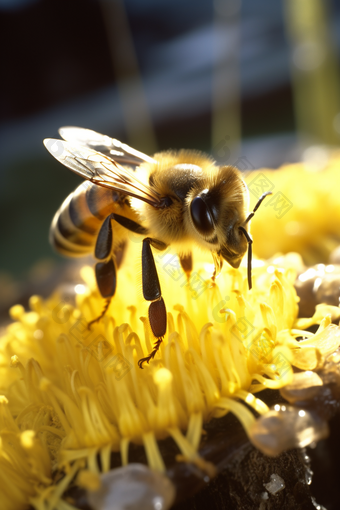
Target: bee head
(218,211)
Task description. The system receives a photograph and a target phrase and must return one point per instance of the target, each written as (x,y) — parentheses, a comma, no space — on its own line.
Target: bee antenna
(248,237)
(259,202)
(250,254)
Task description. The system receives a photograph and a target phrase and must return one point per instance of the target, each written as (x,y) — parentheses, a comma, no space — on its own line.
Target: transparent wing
(114,149)
(101,170)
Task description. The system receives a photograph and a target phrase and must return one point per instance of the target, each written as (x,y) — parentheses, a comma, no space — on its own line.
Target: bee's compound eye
(201,216)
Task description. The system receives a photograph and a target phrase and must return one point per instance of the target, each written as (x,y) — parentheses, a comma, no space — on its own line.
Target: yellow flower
(73,395)
(294,218)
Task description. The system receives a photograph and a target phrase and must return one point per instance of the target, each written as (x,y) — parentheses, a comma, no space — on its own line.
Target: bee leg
(152,354)
(218,264)
(97,319)
(152,292)
(130,225)
(105,270)
(186,263)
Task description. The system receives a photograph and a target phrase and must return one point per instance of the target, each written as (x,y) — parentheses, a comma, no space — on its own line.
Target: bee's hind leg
(152,292)
(105,270)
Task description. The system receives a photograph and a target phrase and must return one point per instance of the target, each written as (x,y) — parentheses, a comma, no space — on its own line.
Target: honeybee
(178,198)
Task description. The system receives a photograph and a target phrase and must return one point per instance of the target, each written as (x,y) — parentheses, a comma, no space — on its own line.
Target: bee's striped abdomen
(76,224)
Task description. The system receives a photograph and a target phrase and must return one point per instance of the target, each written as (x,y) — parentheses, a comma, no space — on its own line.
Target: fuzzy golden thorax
(182,177)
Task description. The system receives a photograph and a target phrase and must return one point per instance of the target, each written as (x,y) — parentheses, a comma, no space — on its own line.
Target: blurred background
(252,82)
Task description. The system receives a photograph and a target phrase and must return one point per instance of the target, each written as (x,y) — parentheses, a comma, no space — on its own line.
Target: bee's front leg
(186,263)
(152,292)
